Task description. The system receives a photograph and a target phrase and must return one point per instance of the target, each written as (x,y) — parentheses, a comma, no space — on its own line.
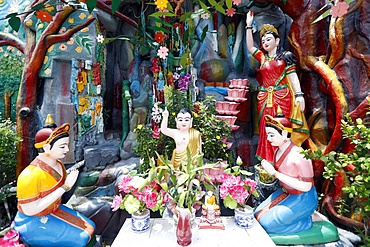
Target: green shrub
(8,152)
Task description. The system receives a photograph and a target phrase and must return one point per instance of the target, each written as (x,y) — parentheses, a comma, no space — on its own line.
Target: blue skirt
(291,215)
(55,229)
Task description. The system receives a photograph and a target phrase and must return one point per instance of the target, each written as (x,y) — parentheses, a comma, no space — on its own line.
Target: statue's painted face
(60,148)
(274,137)
(269,42)
(184,121)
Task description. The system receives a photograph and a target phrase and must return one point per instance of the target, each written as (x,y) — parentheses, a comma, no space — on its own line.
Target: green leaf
(229,4)
(322,16)
(159,29)
(15,22)
(131,204)
(220,9)
(204,33)
(204,7)
(185,16)
(157,20)
(182,198)
(229,202)
(38,6)
(159,14)
(182,179)
(91,4)
(115,5)
(183,61)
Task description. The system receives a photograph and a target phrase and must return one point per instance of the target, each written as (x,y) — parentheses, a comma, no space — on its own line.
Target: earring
(47,155)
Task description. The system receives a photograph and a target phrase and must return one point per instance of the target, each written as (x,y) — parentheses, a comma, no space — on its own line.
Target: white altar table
(162,232)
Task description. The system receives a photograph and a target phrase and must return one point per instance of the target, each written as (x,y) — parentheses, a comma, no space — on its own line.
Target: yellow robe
(193,146)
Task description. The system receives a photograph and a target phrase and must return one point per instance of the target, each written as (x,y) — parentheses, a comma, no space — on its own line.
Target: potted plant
(235,190)
(137,195)
(184,186)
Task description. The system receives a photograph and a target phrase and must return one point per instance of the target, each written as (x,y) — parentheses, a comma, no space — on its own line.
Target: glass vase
(140,221)
(183,229)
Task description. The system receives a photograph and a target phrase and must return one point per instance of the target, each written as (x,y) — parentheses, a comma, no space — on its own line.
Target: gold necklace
(269,59)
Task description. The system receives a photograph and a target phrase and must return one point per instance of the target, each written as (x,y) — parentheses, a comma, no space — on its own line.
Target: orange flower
(44,16)
(159,37)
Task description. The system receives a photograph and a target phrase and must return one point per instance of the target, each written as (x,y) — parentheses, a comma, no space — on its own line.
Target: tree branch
(103,6)
(9,39)
(52,39)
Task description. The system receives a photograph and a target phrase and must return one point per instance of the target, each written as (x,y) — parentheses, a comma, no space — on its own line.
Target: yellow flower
(47,71)
(71,20)
(49,8)
(29,23)
(218,137)
(40,26)
(78,49)
(224,145)
(138,127)
(46,58)
(227,155)
(50,48)
(161,4)
(196,114)
(84,30)
(82,16)
(90,16)
(173,113)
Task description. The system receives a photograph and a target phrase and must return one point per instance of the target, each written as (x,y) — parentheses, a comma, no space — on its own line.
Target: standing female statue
(41,219)
(279,86)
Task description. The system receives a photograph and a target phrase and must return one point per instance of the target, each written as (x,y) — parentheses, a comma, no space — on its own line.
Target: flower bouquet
(235,190)
(139,194)
(236,187)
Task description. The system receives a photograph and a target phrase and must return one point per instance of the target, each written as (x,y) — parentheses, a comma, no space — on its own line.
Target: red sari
(275,91)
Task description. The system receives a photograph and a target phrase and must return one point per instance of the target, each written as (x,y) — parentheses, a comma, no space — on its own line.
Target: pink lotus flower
(339,9)
(162,52)
(230,12)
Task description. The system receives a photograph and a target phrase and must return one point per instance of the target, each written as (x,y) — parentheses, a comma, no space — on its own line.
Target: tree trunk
(7,103)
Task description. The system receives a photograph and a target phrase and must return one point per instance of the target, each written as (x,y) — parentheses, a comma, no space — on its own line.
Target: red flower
(157,132)
(44,16)
(159,37)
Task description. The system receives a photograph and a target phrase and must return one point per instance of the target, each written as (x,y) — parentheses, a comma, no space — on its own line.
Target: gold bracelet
(65,187)
(248,27)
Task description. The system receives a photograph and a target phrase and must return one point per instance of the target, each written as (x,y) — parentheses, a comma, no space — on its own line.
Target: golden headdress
(268,28)
(54,133)
(279,122)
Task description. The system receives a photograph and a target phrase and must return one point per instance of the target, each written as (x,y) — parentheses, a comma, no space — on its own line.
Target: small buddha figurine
(211,213)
